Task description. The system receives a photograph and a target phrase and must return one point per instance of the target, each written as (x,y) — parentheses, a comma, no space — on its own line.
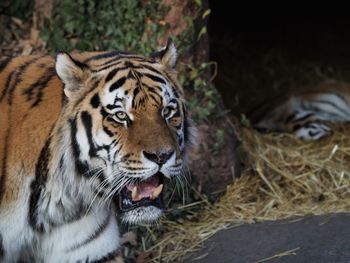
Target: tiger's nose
(158,157)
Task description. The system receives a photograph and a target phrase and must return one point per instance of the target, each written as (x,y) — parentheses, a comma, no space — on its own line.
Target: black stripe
(341,98)
(306,124)
(107,148)
(119,148)
(116,85)
(38,87)
(312,134)
(69,215)
(109,257)
(132,75)
(111,74)
(174,101)
(296,127)
(83,96)
(177,127)
(118,59)
(2,251)
(125,157)
(7,85)
(4,62)
(153,88)
(101,228)
(106,130)
(118,99)
(112,107)
(17,78)
(138,58)
(331,104)
(130,65)
(81,168)
(176,93)
(61,165)
(307,116)
(155,78)
(150,69)
(290,117)
(179,139)
(104,55)
(16,74)
(133,168)
(87,122)
(104,113)
(79,64)
(111,65)
(157,101)
(176,114)
(4,165)
(95,101)
(136,91)
(109,62)
(38,186)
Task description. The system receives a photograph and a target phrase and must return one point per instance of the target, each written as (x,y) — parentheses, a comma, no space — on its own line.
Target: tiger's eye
(121,115)
(166,111)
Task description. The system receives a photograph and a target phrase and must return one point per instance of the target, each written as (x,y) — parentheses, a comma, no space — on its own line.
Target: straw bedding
(283,177)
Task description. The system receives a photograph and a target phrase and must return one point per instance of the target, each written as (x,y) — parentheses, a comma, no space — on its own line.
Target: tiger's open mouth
(142,193)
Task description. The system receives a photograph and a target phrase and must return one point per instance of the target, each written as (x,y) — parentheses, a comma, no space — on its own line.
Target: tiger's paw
(313,131)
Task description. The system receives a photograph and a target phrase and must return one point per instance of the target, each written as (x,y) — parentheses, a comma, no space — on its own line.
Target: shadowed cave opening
(263,52)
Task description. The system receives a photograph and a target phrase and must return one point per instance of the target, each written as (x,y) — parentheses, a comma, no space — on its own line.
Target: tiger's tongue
(144,189)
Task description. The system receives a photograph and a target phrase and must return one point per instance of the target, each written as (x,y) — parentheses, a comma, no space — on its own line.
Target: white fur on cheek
(83,143)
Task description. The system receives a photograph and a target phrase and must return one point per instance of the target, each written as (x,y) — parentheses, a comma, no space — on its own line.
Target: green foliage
(219,138)
(245,121)
(129,26)
(20,8)
(203,102)
(104,25)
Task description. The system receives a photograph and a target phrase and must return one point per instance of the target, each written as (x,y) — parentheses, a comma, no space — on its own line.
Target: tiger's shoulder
(23,79)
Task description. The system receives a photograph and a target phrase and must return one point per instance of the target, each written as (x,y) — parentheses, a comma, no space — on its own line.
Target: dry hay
(283,177)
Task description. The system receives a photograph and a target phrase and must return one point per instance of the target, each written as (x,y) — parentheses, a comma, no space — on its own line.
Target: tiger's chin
(142,202)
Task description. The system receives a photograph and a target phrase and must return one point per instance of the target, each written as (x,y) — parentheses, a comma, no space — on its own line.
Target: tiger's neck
(62,190)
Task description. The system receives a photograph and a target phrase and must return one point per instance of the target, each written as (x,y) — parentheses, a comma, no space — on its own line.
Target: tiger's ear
(72,73)
(167,55)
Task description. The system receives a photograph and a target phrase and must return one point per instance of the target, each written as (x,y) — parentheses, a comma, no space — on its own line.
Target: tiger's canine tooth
(134,193)
(157,191)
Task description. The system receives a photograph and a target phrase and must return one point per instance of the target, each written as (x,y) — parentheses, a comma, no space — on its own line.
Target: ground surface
(314,239)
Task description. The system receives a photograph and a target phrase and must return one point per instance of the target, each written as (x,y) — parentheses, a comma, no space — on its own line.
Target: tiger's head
(130,132)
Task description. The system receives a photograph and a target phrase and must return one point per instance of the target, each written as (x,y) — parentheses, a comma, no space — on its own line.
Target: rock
(215,161)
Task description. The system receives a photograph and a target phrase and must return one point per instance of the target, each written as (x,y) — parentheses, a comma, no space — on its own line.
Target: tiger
(86,137)
(310,115)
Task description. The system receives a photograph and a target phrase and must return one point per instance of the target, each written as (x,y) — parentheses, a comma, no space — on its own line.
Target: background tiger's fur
(64,154)
(310,115)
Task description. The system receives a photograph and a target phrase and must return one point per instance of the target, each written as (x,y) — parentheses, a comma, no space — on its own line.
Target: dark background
(263,51)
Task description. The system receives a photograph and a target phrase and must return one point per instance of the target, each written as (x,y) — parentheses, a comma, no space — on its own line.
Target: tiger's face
(130,131)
